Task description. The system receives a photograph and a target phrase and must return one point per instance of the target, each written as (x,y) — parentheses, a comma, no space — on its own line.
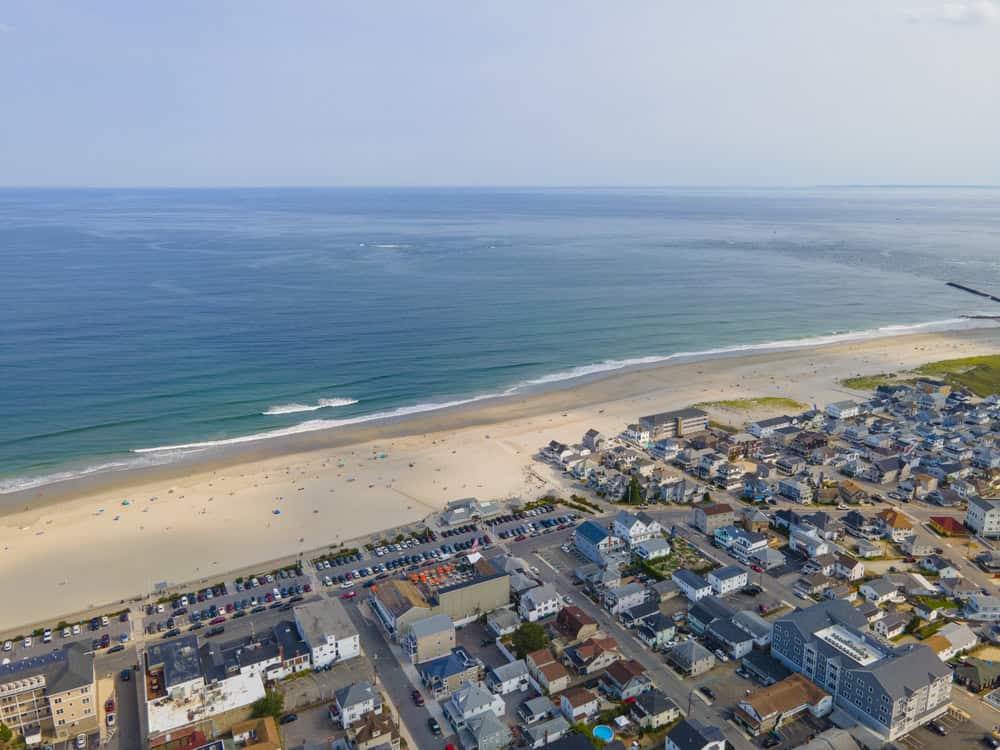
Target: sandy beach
(64,548)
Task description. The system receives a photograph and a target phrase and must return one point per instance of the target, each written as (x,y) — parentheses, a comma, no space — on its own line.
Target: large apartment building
(889,689)
(50,697)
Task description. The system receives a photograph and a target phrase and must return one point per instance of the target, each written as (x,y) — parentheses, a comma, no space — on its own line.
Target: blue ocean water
(139,319)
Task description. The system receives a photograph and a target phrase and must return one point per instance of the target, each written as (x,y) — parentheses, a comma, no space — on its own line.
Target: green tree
(270,705)
(5,733)
(529,637)
(633,492)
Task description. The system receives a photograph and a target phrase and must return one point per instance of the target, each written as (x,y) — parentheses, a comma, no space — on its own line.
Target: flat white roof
(851,644)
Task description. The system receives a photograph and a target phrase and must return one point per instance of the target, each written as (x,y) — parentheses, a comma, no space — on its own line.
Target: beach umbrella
(125,502)
(276,512)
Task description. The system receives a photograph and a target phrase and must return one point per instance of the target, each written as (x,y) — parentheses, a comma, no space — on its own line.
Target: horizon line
(513,186)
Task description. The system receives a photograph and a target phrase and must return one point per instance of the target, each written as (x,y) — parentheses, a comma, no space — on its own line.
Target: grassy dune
(978,375)
(749,404)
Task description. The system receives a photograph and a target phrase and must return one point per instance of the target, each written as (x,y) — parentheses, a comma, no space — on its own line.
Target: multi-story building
(672,424)
(51,696)
(594,541)
(328,631)
(634,529)
(400,603)
(983,516)
(727,579)
(890,690)
(429,638)
(539,603)
(709,517)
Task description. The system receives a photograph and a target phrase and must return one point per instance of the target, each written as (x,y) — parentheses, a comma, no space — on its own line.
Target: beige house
(551,676)
(429,638)
(374,730)
(54,698)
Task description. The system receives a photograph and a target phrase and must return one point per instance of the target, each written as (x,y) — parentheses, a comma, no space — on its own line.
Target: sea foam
(323,403)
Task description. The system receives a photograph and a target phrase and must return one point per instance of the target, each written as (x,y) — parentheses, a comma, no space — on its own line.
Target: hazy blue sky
(523,92)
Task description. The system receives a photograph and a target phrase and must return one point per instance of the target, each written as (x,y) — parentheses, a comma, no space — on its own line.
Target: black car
(217,630)
(288,718)
(707,692)
(938,729)
(171,633)
(116,648)
(433,725)
(771,741)
(126,675)
(990,741)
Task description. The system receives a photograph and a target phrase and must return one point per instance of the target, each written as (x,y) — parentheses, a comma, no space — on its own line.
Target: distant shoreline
(567,388)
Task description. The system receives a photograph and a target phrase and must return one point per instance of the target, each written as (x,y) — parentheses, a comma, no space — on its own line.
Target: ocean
(137,325)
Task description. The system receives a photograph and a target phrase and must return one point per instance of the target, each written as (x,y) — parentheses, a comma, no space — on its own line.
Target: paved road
(393,680)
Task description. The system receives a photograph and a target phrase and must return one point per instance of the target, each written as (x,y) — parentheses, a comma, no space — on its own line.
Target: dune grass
(749,404)
(978,375)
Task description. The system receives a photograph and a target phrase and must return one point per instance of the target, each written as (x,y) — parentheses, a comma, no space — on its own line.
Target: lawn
(749,404)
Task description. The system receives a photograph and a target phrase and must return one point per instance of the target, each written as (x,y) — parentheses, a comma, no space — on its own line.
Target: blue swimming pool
(604,732)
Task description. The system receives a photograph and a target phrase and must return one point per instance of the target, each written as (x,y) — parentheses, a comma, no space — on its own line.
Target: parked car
(418,697)
(433,725)
(938,729)
(288,718)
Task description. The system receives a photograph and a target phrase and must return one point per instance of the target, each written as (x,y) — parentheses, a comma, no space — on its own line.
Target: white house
(727,579)
(356,700)
(617,599)
(843,409)
(328,631)
(848,567)
(747,544)
(653,549)
(808,541)
(470,701)
(692,585)
(539,603)
(594,541)
(892,624)
(577,704)
(634,529)
(880,591)
(508,678)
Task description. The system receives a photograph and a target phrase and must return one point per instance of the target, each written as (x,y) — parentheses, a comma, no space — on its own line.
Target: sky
(499,92)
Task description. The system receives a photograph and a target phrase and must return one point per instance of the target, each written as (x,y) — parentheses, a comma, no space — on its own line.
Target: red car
(349,595)
(217,621)
(756,569)
(109,705)
(418,697)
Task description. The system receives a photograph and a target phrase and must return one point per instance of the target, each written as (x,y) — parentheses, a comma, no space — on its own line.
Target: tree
(5,733)
(529,637)
(633,492)
(270,705)
(707,497)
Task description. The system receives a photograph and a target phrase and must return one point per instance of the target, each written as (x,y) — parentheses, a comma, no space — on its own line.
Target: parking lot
(213,606)
(959,731)
(98,633)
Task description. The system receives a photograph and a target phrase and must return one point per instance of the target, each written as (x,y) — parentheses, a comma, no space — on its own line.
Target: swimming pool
(604,732)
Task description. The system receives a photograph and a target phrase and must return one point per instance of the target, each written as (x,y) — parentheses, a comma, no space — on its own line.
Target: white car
(842,506)
(184,601)
(8,645)
(347,585)
(81,741)
(76,629)
(277,592)
(160,609)
(67,632)
(111,720)
(46,635)
(27,642)
(104,621)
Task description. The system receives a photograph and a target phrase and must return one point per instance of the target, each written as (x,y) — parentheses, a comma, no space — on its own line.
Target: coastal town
(818,578)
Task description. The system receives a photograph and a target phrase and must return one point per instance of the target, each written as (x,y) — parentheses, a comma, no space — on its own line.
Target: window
(57,700)
(85,700)
(59,712)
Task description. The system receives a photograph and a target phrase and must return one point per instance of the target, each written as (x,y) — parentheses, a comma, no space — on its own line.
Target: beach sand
(65,548)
